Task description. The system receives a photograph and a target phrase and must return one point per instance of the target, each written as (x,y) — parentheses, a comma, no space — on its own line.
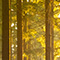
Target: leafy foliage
(34,28)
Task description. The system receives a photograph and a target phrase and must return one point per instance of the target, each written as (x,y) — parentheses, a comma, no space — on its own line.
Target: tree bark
(5,29)
(19,30)
(49,29)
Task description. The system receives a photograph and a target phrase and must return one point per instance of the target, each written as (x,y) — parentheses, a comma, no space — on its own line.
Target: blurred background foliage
(34,29)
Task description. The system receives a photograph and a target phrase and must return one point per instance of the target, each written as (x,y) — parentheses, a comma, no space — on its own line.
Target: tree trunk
(49,29)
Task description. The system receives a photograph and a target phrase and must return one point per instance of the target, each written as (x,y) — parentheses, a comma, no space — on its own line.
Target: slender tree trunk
(5,29)
(49,29)
(10,32)
(19,30)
